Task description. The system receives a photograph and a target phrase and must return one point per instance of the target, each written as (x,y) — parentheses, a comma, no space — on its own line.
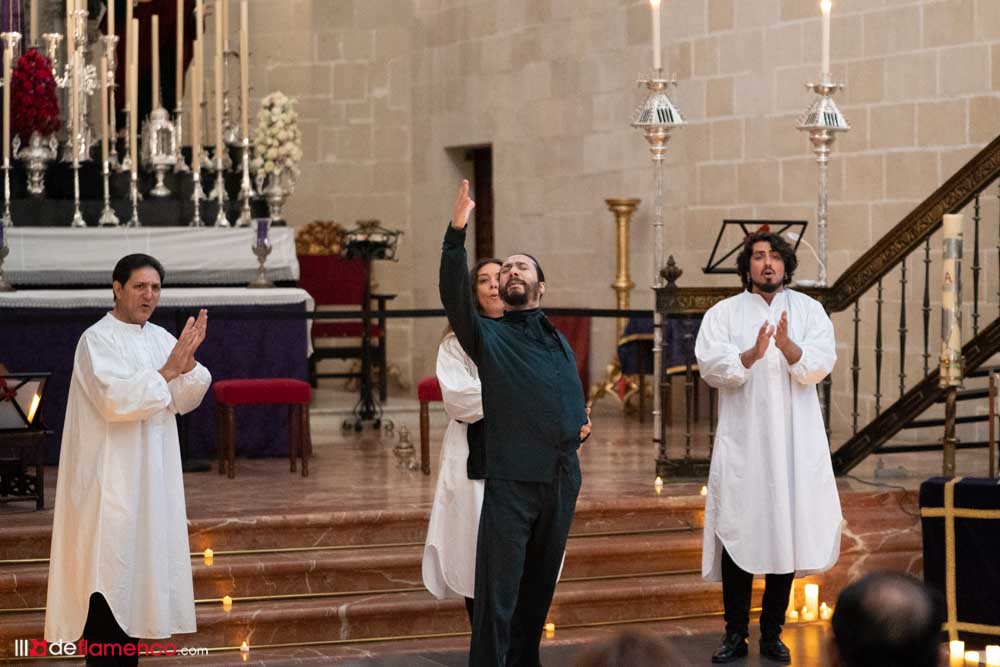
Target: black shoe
(776,650)
(733,647)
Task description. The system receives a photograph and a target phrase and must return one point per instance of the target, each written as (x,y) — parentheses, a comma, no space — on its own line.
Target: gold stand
(614,379)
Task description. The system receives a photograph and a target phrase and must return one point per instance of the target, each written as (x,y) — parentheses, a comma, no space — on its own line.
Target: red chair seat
(429,390)
(266,391)
(343,330)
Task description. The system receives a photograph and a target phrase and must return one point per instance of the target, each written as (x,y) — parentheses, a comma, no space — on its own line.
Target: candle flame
(34,407)
(244,647)
(825,6)
(227,603)
(654,3)
(704,490)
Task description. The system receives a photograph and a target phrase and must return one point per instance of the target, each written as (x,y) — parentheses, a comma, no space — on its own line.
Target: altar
(63,256)
(251,333)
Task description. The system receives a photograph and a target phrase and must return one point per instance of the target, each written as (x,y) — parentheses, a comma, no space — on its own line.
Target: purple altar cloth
(241,343)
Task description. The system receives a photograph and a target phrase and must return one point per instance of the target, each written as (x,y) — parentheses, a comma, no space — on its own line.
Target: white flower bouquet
(277,139)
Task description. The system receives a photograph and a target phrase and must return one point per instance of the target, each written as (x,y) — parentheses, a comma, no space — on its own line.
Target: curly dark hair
(779,244)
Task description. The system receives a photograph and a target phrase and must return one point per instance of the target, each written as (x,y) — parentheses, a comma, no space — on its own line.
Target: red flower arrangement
(34,106)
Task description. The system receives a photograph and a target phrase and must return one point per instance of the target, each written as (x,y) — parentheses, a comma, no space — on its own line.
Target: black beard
(767,288)
(518,298)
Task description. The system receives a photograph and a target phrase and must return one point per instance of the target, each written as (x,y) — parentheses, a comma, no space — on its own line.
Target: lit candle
(825,612)
(792,615)
(658,485)
(790,609)
(227,603)
(179,69)
(104,108)
(806,615)
(219,146)
(209,556)
(956,653)
(655,6)
(972,658)
(825,7)
(156,60)
(812,600)
(704,490)
(550,630)
(245,650)
(6,106)
(244,68)
(993,655)
(110,32)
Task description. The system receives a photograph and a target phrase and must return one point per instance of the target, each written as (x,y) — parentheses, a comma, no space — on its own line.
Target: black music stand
(729,242)
(23,432)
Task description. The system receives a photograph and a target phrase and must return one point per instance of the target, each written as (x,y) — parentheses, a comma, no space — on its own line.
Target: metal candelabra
(196,194)
(657,116)
(823,120)
(219,189)
(108,217)
(10,40)
(180,166)
(246,187)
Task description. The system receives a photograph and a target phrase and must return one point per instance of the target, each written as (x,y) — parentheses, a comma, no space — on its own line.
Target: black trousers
(102,628)
(522,536)
(737,587)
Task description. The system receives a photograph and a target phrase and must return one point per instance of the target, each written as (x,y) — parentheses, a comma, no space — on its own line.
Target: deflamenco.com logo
(39,648)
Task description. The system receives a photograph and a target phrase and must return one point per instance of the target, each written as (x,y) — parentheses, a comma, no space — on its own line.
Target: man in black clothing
(535,420)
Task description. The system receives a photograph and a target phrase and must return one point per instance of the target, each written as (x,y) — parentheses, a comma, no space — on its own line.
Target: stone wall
(392,90)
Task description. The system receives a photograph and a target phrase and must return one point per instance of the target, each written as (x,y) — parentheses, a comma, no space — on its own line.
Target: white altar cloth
(190,255)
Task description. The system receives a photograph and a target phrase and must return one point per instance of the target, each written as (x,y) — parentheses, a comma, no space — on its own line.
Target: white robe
(449,565)
(772,499)
(120,525)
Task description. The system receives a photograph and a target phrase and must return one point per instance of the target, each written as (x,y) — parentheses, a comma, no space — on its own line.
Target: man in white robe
(120,567)
(772,506)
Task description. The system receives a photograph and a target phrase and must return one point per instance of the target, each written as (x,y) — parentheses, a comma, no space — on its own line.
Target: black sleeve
(456,294)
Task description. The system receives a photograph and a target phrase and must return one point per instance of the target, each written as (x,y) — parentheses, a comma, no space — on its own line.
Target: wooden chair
(332,280)
(428,390)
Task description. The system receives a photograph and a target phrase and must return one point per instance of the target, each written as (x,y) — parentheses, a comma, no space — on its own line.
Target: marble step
(384,568)
(369,616)
(233,532)
(238,532)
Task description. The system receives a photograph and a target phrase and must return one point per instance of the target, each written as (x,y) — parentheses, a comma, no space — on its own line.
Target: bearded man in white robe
(772,507)
(120,567)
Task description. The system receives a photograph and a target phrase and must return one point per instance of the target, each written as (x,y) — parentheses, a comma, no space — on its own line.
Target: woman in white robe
(449,563)
(120,525)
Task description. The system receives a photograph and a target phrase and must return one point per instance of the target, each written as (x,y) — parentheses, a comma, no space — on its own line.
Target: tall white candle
(134,110)
(155,38)
(224,22)
(244,68)
(992,655)
(825,6)
(196,110)
(111,17)
(104,109)
(75,106)
(179,69)
(219,60)
(6,106)
(655,6)
(812,601)
(956,653)
(35,37)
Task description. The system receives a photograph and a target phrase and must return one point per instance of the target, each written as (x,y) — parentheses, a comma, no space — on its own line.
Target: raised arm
(453,279)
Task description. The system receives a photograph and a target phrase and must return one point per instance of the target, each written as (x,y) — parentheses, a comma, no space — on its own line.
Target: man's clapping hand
(181,359)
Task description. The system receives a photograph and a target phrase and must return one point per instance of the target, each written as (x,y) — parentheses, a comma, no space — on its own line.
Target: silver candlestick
(180,165)
(822,120)
(110,46)
(196,196)
(246,187)
(219,190)
(108,217)
(230,135)
(52,41)
(657,116)
(134,193)
(88,84)
(10,40)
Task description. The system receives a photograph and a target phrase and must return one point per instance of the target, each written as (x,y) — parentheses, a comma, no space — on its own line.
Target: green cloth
(532,397)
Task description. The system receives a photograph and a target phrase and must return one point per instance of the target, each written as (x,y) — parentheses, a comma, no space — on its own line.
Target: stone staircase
(347,580)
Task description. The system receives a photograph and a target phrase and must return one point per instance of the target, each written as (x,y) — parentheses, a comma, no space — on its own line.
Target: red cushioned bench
(267,391)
